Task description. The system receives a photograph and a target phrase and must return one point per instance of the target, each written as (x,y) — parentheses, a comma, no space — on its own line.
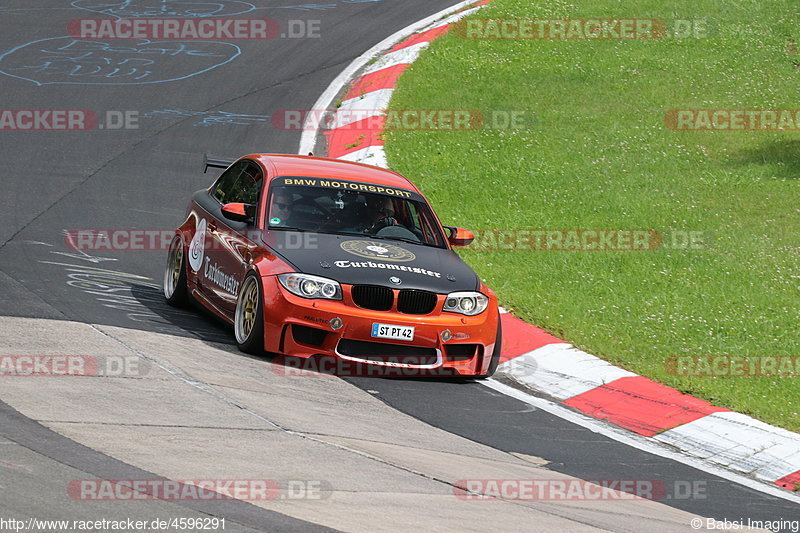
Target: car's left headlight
(309,286)
(466,303)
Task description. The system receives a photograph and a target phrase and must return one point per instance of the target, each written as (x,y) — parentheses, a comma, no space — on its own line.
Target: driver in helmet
(380,213)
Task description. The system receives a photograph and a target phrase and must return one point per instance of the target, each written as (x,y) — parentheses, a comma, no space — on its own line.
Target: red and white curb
(531,356)
(370,92)
(601,390)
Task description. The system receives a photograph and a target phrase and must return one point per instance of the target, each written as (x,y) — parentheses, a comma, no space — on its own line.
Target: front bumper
(443,344)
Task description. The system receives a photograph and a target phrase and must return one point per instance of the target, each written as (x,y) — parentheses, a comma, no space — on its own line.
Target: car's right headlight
(308,286)
(466,303)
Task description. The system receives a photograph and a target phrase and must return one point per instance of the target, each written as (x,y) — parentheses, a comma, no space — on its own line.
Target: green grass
(600,156)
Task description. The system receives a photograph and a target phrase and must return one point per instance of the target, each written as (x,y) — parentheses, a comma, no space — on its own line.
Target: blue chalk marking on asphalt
(210,118)
(184,9)
(112,63)
(104,62)
(166,8)
(304,7)
(170,8)
(21,9)
(319,7)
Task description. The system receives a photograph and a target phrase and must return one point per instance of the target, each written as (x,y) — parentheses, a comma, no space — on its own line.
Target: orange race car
(312,257)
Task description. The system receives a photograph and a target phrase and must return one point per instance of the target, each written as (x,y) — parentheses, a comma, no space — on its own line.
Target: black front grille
(409,301)
(373,297)
(414,302)
(387,353)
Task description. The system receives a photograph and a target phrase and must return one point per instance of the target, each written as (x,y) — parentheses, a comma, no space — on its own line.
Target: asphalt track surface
(141,178)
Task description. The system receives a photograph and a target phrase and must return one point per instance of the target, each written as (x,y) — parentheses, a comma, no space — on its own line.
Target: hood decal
(387,266)
(347,260)
(377,250)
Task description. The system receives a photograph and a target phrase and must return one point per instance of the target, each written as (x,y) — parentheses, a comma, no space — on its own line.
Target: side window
(240,183)
(248,187)
(224,188)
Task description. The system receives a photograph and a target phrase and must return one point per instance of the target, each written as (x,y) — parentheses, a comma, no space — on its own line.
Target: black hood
(354,260)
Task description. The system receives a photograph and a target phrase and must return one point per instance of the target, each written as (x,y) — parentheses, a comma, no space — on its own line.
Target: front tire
(175,290)
(498,348)
(248,322)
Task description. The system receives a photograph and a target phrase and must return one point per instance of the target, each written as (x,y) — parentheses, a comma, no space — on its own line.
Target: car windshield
(352,208)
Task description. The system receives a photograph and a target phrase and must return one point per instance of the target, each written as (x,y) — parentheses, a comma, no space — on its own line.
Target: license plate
(389,331)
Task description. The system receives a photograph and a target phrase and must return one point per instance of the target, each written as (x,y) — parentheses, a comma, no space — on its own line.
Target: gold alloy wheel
(173,273)
(246,310)
(177,261)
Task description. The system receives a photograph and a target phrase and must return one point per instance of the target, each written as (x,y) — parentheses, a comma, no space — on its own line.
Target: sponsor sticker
(350,186)
(197,247)
(377,250)
(218,277)
(387,266)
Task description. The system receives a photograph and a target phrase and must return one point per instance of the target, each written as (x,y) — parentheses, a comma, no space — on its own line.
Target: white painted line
(309,137)
(372,104)
(404,56)
(454,18)
(562,371)
(640,443)
(739,442)
(371,155)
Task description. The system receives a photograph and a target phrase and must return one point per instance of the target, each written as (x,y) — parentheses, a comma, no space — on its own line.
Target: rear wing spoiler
(215,162)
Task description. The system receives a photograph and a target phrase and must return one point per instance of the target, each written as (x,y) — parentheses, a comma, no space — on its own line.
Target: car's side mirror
(239,212)
(459,236)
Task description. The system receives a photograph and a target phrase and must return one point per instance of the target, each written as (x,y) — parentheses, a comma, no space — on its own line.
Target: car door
(228,247)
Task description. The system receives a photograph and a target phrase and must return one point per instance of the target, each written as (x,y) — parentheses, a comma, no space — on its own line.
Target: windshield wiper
(354,234)
(370,236)
(402,239)
(307,230)
(351,233)
(289,228)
